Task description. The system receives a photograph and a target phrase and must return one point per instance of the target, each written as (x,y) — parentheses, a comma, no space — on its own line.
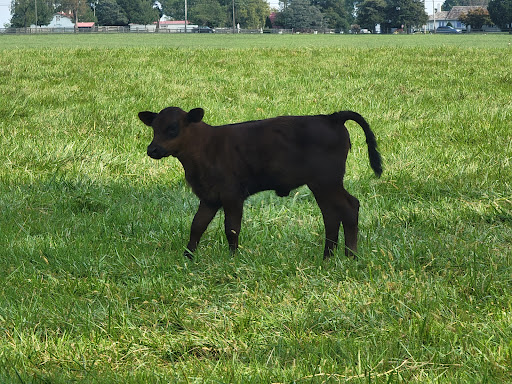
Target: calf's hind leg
(338,206)
(233,210)
(350,220)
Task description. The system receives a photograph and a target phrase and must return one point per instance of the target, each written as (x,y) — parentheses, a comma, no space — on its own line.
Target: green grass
(201,41)
(93,285)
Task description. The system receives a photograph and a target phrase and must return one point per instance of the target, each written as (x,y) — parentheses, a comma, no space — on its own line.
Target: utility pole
(233,16)
(35,6)
(434,11)
(185,16)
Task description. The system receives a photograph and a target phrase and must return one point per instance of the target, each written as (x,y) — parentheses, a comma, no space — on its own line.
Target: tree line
(214,13)
(296,14)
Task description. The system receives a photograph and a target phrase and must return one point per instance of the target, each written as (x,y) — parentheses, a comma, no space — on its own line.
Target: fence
(127,29)
(42,30)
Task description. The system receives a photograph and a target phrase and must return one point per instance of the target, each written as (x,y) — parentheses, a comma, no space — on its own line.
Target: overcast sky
(5,13)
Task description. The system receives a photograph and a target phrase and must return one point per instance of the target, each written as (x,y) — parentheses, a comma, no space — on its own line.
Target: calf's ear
(195,115)
(147,117)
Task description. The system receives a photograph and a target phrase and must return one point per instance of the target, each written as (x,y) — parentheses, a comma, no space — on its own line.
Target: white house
(142,28)
(176,25)
(442,18)
(165,26)
(61,20)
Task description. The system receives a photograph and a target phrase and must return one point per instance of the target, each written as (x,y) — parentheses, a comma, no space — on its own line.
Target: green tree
(45,11)
(337,14)
(251,13)
(268,22)
(301,15)
(24,13)
(80,10)
(109,12)
(214,13)
(405,14)
(500,12)
(207,12)
(476,18)
(370,13)
(147,13)
(175,9)
(139,11)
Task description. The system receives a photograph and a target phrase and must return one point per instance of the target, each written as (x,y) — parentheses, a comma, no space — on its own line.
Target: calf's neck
(226,164)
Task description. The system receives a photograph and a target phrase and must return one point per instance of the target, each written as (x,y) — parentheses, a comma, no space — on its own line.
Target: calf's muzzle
(155,151)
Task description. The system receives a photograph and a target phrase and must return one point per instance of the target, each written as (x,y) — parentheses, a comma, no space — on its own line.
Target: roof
(441,15)
(456,12)
(173,22)
(459,10)
(85,24)
(64,14)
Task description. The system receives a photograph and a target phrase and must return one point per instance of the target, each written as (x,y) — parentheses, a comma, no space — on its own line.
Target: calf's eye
(173,130)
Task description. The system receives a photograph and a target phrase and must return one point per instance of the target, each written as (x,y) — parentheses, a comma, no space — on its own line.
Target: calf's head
(169,127)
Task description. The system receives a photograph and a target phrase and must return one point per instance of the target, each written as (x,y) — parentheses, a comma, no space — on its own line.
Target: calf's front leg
(204,215)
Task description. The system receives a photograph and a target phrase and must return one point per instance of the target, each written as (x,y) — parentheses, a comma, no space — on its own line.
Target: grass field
(93,285)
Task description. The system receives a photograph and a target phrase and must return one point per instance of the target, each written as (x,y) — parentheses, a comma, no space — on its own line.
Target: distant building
(59,20)
(165,26)
(442,18)
(85,26)
(176,25)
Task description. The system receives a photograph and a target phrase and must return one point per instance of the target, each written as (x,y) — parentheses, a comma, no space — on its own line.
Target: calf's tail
(373,154)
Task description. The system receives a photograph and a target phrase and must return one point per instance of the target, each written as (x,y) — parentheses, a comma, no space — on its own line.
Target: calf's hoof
(351,253)
(189,255)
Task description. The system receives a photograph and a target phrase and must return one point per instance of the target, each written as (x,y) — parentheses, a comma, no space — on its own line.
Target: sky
(5,13)
(273,3)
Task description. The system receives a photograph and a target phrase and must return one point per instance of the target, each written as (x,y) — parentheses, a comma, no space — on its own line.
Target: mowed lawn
(93,284)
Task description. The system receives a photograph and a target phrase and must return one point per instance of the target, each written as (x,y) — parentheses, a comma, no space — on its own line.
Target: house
(85,26)
(142,28)
(60,20)
(165,26)
(443,18)
(176,25)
